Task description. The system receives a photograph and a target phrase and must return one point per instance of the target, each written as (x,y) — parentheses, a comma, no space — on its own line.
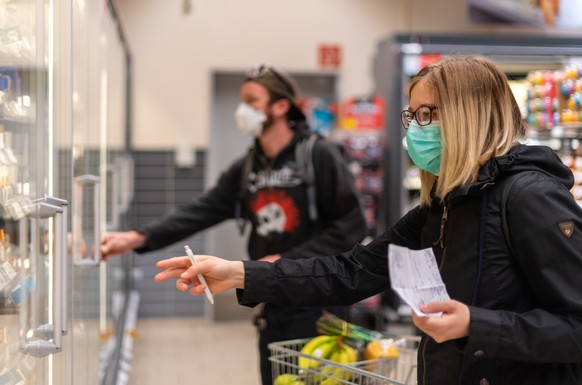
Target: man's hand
(220,274)
(453,324)
(120,243)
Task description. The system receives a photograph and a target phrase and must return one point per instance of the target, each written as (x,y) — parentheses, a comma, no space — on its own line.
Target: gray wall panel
(159,187)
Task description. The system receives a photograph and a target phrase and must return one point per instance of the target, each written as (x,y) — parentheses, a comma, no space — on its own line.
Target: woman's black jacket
(525,305)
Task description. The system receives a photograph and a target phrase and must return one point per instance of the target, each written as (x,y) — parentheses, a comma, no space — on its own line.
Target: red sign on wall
(329,56)
(365,113)
(426,59)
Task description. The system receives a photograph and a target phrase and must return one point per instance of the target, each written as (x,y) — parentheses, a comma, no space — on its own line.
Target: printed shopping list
(415,277)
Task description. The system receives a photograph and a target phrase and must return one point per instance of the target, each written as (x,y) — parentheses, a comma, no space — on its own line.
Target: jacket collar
(520,158)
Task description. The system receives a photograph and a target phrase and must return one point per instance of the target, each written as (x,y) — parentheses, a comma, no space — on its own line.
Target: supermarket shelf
(559,131)
(411,180)
(505,11)
(7,61)
(16,124)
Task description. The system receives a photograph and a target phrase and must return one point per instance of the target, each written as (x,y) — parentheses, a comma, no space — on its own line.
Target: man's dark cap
(279,84)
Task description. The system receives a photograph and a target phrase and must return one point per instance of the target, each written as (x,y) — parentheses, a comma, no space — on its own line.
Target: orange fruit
(381,348)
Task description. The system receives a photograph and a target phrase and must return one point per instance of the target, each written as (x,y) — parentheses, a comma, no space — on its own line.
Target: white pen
(200,276)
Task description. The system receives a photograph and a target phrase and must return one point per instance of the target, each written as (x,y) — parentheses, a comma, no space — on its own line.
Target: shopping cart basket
(284,358)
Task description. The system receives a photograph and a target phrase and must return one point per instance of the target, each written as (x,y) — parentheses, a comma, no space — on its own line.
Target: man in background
(292,187)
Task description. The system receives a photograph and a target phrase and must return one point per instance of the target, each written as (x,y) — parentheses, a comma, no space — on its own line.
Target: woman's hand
(452,324)
(220,274)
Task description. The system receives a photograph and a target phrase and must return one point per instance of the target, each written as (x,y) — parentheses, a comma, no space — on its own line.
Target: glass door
(87,331)
(100,183)
(34,215)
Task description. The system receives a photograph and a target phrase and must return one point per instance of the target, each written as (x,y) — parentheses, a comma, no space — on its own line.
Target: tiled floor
(192,351)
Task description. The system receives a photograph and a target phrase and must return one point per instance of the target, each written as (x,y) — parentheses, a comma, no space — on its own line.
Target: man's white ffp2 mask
(249,120)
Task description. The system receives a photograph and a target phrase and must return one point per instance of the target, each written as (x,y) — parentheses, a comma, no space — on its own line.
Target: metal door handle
(53,208)
(61,252)
(77,242)
(113,224)
(126,167)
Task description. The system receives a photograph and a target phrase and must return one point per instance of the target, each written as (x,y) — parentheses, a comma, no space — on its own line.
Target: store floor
(192,351)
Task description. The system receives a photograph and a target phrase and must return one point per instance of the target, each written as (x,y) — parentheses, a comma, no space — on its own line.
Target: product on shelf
(363,152)
(363,113)
(574,162)
(555,97)
(321,114)
(543,103)
(554,108)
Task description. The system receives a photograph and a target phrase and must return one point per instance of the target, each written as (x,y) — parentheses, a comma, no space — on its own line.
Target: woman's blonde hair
(479,116)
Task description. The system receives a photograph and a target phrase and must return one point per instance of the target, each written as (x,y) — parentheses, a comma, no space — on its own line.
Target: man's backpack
(304,161)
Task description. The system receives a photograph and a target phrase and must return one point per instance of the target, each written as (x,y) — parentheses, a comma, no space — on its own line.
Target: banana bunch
(320,347)
(329,348)
(344,355)
(288,379)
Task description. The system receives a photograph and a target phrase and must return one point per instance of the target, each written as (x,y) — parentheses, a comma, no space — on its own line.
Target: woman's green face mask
(424,146)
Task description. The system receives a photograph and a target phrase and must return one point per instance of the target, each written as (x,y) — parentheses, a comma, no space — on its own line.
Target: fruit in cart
(352,354)
(324,351)
(327,371)
(344,355)
(319,347)
(384,349)
(333,349)
(381,348)
(287,379)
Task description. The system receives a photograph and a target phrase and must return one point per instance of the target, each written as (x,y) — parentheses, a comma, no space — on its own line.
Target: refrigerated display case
(400,57)
(34,291)
(53,188)
(101,191)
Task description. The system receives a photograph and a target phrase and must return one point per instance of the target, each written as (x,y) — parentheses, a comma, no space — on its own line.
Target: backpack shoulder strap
(247,167)
(507,184)
(304,159)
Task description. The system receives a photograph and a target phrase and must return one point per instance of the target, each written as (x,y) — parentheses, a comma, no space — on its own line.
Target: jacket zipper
(424,361)
(441,240)
(441,243)
(442,235)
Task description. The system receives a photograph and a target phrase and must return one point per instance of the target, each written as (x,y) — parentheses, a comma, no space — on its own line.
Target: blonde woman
(515,316)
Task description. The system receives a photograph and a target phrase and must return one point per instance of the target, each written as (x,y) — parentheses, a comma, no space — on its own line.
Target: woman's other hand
(452,324)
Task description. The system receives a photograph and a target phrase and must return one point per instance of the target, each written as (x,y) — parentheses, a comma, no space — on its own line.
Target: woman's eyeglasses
(422,115)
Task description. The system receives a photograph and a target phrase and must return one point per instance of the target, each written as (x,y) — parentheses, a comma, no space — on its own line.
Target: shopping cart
(284,358)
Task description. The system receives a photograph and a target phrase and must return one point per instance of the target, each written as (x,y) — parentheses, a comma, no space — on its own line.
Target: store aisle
(186,350)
